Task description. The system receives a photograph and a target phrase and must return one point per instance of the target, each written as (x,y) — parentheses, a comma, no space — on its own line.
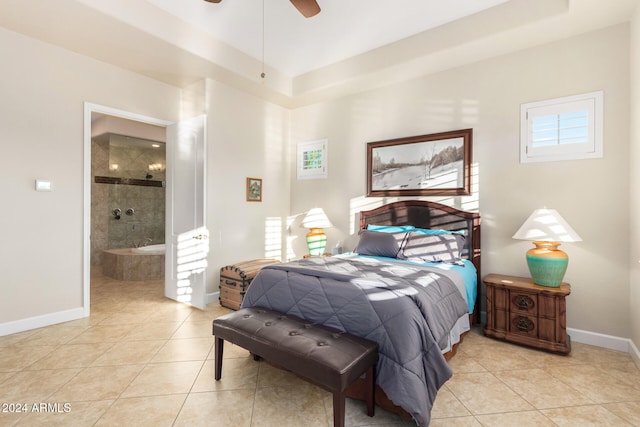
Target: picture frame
(312,159)
(437,164)
(254,189)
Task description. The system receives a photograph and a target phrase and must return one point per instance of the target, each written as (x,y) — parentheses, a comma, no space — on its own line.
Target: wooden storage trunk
(236,278)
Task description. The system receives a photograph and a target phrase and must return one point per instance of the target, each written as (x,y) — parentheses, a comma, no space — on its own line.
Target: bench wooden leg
(338,409)
(371,390)
(219,347)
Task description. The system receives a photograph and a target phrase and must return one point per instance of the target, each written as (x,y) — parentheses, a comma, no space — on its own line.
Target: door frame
(90,108)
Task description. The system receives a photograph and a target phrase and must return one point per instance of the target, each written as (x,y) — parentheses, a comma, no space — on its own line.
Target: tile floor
(141,359)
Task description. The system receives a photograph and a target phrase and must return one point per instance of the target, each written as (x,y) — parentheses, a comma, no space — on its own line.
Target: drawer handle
(230,282)
(523,302)
(524,324)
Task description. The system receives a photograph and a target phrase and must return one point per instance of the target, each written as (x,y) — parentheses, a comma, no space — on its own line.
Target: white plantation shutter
(562,128)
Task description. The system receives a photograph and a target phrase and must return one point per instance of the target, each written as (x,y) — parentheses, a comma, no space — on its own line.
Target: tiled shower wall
(147,223)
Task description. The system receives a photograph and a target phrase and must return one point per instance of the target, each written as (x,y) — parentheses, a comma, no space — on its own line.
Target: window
(562,129)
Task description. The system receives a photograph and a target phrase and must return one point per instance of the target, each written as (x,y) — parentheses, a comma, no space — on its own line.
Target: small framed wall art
(312,159)
(254,189)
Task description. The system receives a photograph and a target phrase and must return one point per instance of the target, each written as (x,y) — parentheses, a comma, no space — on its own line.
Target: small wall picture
(254,189)
(312,159)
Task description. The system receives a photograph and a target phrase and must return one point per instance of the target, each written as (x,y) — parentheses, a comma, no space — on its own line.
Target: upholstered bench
(324,356)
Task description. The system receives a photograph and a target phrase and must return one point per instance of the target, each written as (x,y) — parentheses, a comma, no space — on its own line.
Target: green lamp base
(316,242)
(547,264)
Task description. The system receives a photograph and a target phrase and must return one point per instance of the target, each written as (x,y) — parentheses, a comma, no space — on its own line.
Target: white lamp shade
(316,218)
(546,225)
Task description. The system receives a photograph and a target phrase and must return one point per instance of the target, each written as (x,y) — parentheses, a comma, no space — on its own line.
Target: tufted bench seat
(327,357)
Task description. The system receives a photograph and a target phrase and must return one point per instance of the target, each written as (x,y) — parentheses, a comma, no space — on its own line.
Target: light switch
(43,185)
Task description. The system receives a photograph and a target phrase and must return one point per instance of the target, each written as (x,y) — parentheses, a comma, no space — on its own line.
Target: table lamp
(316,220)
(546,229)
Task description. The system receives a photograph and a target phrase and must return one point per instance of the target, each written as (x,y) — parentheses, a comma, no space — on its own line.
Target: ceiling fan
(307,8)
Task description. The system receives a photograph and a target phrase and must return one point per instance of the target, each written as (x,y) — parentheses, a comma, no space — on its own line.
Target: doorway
(127,198)
(114,130)
(186,234)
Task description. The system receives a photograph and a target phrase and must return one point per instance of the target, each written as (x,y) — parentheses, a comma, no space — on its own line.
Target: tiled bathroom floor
(141,359)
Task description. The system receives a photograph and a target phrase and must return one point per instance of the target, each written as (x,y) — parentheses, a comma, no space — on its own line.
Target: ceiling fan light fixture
(307,8)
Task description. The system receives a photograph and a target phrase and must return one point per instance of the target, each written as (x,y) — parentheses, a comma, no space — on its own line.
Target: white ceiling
(351,46)
(296,45)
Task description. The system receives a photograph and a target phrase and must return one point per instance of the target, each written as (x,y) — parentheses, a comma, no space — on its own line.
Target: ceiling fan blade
(213,1)
(308,8)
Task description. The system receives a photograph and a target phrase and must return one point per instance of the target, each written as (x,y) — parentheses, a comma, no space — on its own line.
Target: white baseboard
(606,341)
(41,321)
(635,353)
(599,340)
(212,297)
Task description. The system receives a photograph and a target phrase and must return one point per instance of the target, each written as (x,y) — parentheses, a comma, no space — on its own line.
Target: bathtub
(150,249)
(143,263)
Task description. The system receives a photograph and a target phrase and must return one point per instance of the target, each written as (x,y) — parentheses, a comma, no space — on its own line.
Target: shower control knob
(130,211)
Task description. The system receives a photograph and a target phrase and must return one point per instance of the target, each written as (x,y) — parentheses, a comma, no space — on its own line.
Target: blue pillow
(390,228)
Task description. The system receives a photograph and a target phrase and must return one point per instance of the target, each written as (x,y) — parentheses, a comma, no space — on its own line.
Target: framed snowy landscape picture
(428,165)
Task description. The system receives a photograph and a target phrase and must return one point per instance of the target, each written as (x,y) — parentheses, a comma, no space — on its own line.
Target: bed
(416,307)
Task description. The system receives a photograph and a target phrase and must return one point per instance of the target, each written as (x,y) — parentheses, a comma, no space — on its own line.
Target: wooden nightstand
(522,312)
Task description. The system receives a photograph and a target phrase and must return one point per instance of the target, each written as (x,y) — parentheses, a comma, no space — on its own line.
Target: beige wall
(634,158)
(41,116)
(247,137)
(487,96)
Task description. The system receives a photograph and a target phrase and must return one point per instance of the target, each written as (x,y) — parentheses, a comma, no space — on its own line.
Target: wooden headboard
(425,214)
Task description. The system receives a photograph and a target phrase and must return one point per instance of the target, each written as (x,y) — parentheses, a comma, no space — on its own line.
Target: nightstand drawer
(524,325)
(524,302)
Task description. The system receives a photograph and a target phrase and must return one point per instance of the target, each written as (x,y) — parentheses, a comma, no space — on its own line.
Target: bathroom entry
(185,228)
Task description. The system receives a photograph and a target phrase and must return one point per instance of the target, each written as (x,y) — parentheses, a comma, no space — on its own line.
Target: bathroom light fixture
(546,228)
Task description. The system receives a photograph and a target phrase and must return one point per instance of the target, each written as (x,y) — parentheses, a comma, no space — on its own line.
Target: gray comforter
(408,310)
